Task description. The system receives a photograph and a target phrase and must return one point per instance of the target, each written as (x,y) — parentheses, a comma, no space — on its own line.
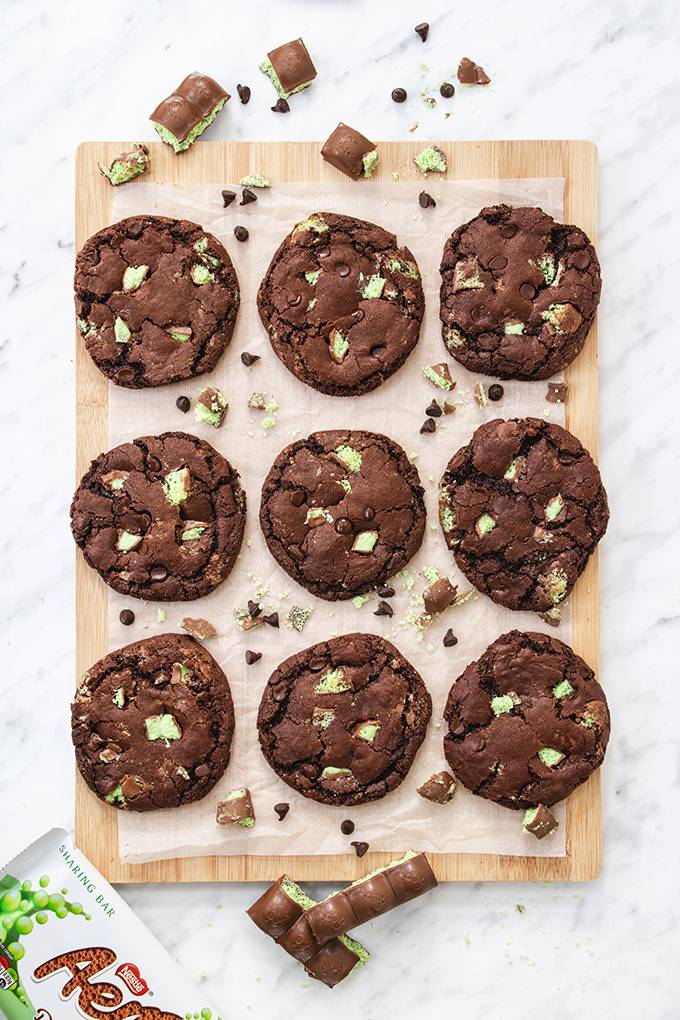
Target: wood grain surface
(219,162)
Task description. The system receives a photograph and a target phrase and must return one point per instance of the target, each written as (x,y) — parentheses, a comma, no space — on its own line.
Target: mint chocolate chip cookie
(342,511)
(152,724)
(342,303)
(160,518)
(522,507)
(341,722)
(527,722)
(156,300)
(519,293)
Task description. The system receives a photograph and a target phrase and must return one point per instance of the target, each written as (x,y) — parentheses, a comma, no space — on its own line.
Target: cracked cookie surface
(160,518)
(342,511)
(152,724)
(341,721)
(156,300)
(522,507)
(519,293)
(527,722)
(342,303)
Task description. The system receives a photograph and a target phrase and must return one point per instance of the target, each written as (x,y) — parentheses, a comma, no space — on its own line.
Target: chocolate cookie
(522,506)
(152,724)
(160,518)
(528,722)
(519,293)
(342,304)
(341,721)
(156,300)
(342,511)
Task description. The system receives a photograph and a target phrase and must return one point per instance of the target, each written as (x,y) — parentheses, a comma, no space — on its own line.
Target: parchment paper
(402,819)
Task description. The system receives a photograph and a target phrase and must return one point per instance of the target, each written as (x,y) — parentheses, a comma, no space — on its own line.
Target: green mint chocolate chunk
(296,894)
(350,457)
(431,160)
(121,331)
(365,542)
(255,181)
(554,508)
(550,757)
(127,166)
(435,377)
(514,328)
(116,795)
(298,616)
(177,486)
(339,346)
(485,524)
(546,263)
(180,333)
(345,483)
(360,600)
(201,274)
(587,720)
(335,681)
(370,161)
(180,145)
(312,276)
(119,697)
(448,518)
(268,68)
(331,772)
(314,223)
(201,245)
(318,513)
(127,540)
(502,703)
(134,277)
(562,690)
(513,470)
(368,732)
(162,727)
(454,338)
(529,816)
(373,287)
(322,718)
(466,276)
(191,534)
(556,585)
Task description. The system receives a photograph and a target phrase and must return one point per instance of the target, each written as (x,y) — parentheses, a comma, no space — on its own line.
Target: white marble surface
(583,69)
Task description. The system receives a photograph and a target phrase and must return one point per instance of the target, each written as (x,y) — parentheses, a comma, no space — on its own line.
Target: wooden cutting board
(218,162)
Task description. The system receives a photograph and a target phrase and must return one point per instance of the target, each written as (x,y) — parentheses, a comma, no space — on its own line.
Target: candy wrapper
(70,946)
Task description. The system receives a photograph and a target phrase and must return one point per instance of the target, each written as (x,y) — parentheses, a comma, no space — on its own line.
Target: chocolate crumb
(557,393)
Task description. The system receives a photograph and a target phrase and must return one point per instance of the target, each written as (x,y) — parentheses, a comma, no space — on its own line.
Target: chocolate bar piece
(183,116)
(439,596)
(540,821)
(126,166)
(290,68)
(280,913)
(439,788)
(350,152)
(380,891)
(236,809)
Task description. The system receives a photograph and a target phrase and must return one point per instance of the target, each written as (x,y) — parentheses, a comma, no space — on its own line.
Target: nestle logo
(129,975)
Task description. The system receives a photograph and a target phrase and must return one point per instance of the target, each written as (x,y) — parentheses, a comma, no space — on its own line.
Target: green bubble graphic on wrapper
(21,909)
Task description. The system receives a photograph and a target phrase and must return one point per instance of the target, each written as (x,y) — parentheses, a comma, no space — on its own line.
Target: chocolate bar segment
(350,152)
(540,821)
(289,67)
(183,116)
(380,891)
(336,961)
(279,907)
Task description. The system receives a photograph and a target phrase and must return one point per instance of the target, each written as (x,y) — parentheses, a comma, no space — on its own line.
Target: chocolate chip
(477,743)
(323,253)
(126,617)
(282,809)
(498,262)
(496,391)
(508,230)
(281,106)
(342,269)
(153,464)
(252,657)
(243,93)
(272,619)
(528,291)
(360,847)
(369,513)
(228,197)
(183,403)
(433,410)
(399,95)
(347,827)
(125,375)
(581,260)
(241,234)
(450,639)
(249,359)
(386,591)
(343,526)
(316,665)
(201,770)
(254,608)
(247,196)
(384,609)
(426,201)
(428,426)
(447,89)
(159,573)
(422,29)
(358,315)
(459,730)
(297,497)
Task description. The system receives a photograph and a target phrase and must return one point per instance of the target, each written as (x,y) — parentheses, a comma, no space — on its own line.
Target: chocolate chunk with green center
(484,525)
(335,681)
(555,583)
(162,727)
(514,328)
(127,540)
(314,223)
(193,532)
(502,703)
(350,457)
(180,118)
(180,673)
(312,276)
(562,690)
(289,68)
(448,518)
(322,718)
(365,542)
(121,331)
(134,277)
(431,160)
(119,697)
(115,480)
(439,788)
(440,376)
(554,508)
(367,731)
(339,346)
(182,334)
(345,149)
(562,318)
(255,181)
(177,486)
(116,796)
(236,809)
(539,821)
(372,287)
(332,773)
(211,407)
(127,166)
(466,276)
(546,263)
(200,274)
(514,470)
(550,757)
(318,515)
